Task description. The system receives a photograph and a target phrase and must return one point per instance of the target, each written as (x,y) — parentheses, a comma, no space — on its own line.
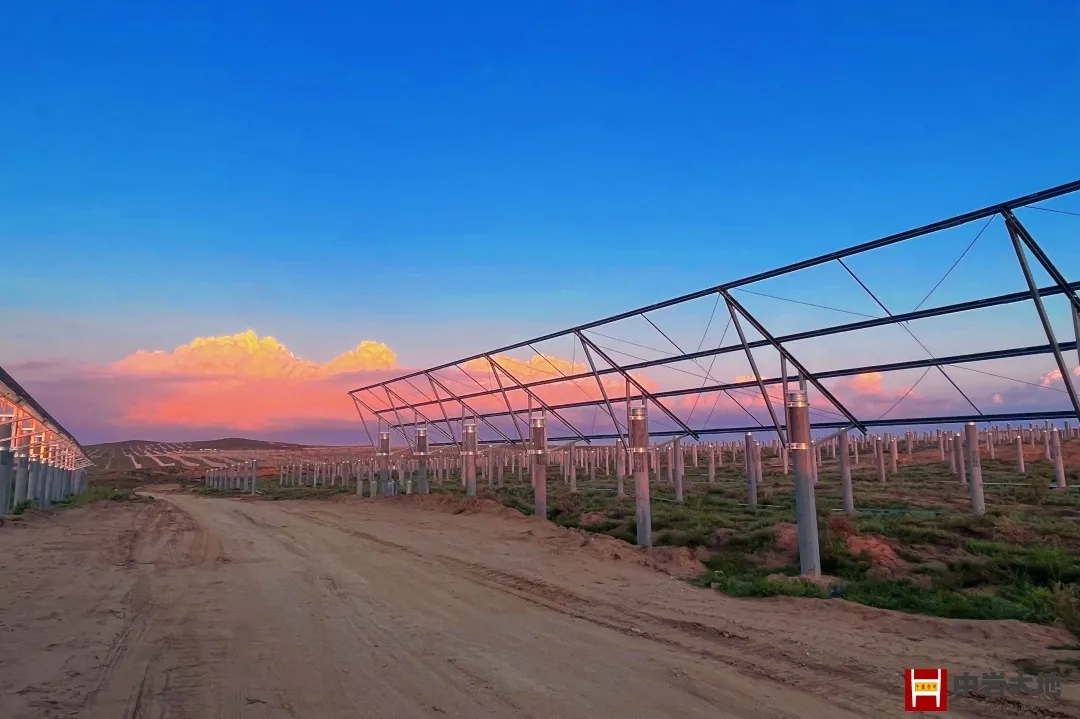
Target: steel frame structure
(34,430)
(442,398)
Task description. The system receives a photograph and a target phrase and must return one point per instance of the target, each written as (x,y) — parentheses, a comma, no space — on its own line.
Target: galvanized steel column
(845,473)
(7,468)
(620,469)
(384,463)
(751,472)
(805,500)
(958,450)
(677,469)
(538,455)
(978,503)
(879,453)
(639,448)
(421,453)
(1059,462)
(468,436)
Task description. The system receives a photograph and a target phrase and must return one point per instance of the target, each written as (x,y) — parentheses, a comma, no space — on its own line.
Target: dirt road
(192,607)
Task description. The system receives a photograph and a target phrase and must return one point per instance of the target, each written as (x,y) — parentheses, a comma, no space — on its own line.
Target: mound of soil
(441,503)
(786,536)
(591,519)
(679,562)
(884,564)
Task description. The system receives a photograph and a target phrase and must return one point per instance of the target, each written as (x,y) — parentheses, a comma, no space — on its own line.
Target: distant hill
(227,443)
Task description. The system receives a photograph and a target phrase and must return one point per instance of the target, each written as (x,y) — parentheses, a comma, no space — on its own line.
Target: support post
(1059,462)
(805,502)
(538,455)
(845,473)
(1020,454)
(22,470)
(759,469)
(978,503)
(421,452)
(879,451)
(384,463)
(620,469)
(7,468)
(469,442)
(961,463)
(677,468)
(639,448)
(751,470)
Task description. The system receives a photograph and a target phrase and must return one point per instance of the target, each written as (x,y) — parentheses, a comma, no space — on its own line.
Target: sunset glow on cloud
(1054,376)
(248,385)
(246,382)
(248,355)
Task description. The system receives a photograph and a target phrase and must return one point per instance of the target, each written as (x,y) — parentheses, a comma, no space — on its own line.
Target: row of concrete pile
(244,477)
(28,479)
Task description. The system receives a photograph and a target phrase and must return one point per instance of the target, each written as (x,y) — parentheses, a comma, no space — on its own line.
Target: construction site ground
(408,607)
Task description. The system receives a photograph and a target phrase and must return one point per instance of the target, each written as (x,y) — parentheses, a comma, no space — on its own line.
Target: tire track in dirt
(157,665)
(615,617)
(794,667)
(268,610)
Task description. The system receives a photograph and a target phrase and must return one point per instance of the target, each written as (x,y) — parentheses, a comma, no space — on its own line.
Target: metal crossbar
(524,387)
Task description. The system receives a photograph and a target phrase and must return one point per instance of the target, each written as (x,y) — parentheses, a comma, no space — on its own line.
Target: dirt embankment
(417,607)
(679,562)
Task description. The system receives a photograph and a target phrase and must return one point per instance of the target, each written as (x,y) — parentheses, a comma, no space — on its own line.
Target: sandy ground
(397,608)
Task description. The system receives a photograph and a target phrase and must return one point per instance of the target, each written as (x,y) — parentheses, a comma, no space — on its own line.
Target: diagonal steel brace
(1014,225)
(446,418)
(356,403)
(542,403)
(475,413)
(791,358)
(414,409)
(1044,318)
(390,401)
(603,391)
(671,415)
(509,409)
(369,408)
(757,374)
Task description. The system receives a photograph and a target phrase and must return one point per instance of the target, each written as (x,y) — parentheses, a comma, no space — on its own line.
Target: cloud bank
(255,386)
(211,386)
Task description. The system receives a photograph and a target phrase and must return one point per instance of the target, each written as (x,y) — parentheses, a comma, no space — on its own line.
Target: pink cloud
(255,386)
(1054,376)
(241,382)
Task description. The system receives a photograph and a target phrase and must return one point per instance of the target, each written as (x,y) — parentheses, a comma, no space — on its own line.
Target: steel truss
(28,427)
(445,409)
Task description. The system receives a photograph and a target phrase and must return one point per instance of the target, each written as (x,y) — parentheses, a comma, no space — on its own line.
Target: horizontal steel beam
(908,422)
(944,310)
(956,221)
(833,374)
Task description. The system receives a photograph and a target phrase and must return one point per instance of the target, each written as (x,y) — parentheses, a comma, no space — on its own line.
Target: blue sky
(449,177)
